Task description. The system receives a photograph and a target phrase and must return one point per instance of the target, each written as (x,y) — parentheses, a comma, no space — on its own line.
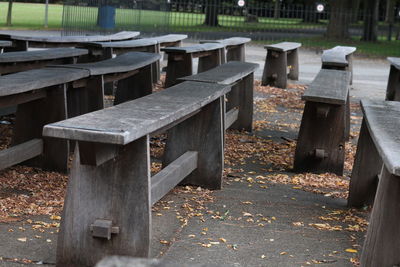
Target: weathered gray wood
(381,246)
(210,61)
(293,64)
(337,56)
(47,54)
(234,46)
(393,86)
(95,154)
(169,39)
(121,261)
(203,133)
(329,86)
(16,45)
(193,48)
(122,44)
(129,121)
(20,153)
(5,43)
(178,67)
(173,174)
(13,100)
(283,47)
(367,166)
(230,117)
(99,193)
(382,118)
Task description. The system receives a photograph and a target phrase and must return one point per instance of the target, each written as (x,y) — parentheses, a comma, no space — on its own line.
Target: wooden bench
(235,48)
(4,44)
(110,185)
(169,40)
(22,43)
(240,76)
(325,124)
(378,154)
(180,60)
(11,62)
(339,58)
(279,58)
(40,96)
(393,86)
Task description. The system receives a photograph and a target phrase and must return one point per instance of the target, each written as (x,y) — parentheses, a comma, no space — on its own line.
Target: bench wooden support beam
(236,53)
(230,117)
(393,86)
(178,68)
(202,133)
(173,174)
(381,246)
(99,193)
(367,167)
(275,70)
(20,153)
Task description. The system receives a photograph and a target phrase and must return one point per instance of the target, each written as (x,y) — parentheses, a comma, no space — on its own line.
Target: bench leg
(211,61)
(293,64)
(393,86)
(178,66)
(367,166)
(30,119)
(275,69)
(17,46)
(320,145)
(347,119)
(156,72)
(350,67)
(237,53)
(242,97)
(203,133)
(135,86)
(382,243)
(118,190)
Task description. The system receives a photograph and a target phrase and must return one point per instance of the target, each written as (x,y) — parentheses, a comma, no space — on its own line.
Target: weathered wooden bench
(110,185)
(325,124)
(280,58)
(22,43)
(393,86)
(378,153)
(180,60)
(235,48)
(339,58)
(40,96)
(132,70)
(11,62)
(4,44)
(240,76)
(169,40)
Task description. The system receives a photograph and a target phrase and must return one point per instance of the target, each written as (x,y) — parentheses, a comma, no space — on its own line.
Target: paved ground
(248,223)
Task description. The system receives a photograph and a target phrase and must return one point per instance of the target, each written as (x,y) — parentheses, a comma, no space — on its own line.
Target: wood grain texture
(210,61)
(203,133)
(193,48)
(122,44)
(275,69)
(163,40)
(337,56)
(129,121)
(20,153)
(177,68)
(283,47)
(393,86)
(47,54)
(99,193)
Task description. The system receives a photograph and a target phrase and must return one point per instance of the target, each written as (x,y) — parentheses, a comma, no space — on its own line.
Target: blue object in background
(106,19)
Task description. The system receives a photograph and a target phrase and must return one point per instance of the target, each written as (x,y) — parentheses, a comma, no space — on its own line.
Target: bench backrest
(395,62)
(38,55)
(337,56)
(194,48)
(126,122)
(383,121)
(122,63)
(283,47)
(227,73)
(330,86)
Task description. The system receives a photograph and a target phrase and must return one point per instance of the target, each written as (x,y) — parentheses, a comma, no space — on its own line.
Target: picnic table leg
(178,66)
(321,141)
(393,86)
(114,192)
(381,246)
(275,69)
(135,86)
(30,119)
(293,63)
(236,53)
(211,61)
(203,133)
(367,166)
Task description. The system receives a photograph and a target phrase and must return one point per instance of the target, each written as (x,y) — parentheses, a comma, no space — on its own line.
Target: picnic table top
(329,86)
(337,55)
(383,121)
(193,48)
(126,122)
(283,47)
(394,61)
(121,63)
(46,54)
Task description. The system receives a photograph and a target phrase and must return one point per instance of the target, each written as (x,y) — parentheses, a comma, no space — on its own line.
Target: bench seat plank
(330,86)
(283,47)
(224,74)
(5,43)
(394,61)
(122,63)
(26,81)
(229,41)
(383,121)
(129,121)
(168,38)
(337,55)
(123,44)
(47,54)
(194,48)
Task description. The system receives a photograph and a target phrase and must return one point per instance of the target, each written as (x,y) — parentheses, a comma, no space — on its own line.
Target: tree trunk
(277,9)
(338,26)
(371,9)
(355,9)
(9,13)
(212,13)
(389,17)
(310,14)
